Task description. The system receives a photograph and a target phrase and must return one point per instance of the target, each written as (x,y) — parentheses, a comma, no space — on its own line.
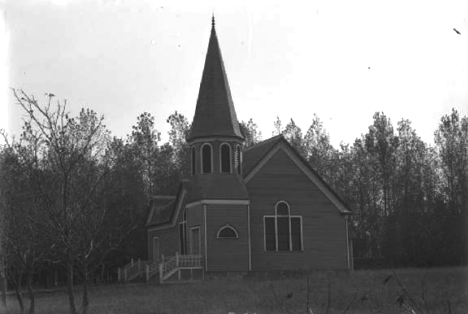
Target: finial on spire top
(212,21)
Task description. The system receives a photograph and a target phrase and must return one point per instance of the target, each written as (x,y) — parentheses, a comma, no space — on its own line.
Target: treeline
(409,198)
(74,199)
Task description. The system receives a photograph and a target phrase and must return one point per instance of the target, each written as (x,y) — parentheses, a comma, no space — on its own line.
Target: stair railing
(132,270)
(152,268)
(167,268)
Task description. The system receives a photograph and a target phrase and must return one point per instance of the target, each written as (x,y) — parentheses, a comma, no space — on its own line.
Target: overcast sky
(343,60)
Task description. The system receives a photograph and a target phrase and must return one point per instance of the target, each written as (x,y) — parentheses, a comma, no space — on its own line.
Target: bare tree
(70,150)
(23,230)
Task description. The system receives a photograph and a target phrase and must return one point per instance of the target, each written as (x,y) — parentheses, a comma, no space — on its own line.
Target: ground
(442,290)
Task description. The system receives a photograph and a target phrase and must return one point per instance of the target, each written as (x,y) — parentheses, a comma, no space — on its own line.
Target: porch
(171,269)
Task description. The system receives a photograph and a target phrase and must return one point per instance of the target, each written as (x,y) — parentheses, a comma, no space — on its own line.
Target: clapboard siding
(323,227)
(168,241)
(227,254)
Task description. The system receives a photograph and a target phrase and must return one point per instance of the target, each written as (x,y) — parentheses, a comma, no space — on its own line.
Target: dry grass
(427,291)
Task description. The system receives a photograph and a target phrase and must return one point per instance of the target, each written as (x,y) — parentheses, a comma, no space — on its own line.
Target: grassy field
(419,290)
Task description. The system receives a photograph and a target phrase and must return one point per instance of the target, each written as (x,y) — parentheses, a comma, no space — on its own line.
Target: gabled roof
(164,211)
(215,114)
(256,156)
(161,208)
(255,153)
(165,214)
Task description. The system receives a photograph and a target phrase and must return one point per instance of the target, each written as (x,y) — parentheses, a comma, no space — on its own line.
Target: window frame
(227,226)
(193,162)
(202,159)
(221,158)
(159,248)
(183,242)
(238,159)
(191,240)
(275,217)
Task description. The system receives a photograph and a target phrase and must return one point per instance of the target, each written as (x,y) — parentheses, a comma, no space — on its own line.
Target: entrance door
(195,241)
(155,248)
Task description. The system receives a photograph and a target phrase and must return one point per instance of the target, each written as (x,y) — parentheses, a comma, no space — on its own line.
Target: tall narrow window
(238,159)
(183,234)
(270,234)
(283,232)
(206,159)
(225,158)
(193,160)
(296,233)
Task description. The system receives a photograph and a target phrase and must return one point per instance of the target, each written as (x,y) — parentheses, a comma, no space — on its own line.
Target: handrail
(134,269)
(165,268)
(152,269)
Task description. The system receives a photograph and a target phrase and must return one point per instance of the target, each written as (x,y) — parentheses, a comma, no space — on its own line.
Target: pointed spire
(215,114)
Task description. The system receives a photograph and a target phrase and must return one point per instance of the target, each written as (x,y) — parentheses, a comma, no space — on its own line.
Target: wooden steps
(175,269)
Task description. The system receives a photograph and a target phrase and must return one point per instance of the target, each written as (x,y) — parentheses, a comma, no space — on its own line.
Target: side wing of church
(259,209)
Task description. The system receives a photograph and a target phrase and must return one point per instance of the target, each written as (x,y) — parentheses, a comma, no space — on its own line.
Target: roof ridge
(319,177)
(271,139)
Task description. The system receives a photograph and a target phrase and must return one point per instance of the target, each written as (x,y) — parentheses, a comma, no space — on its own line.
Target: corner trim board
(250,244)
(348,255)
(206,242)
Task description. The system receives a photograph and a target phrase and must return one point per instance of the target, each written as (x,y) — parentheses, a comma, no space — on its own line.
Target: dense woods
(73,199)
(409,198)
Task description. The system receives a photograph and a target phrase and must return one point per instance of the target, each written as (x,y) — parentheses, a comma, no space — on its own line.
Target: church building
(258,209)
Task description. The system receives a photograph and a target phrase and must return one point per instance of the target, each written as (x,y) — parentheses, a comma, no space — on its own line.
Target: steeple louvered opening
(207,158)
(225,157)
(215,135)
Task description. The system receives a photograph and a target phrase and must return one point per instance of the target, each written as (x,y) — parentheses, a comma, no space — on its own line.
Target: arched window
(282,208)
(283,232)
(227,232)
(225,153)
(238,159)
(207,166)
(194,156)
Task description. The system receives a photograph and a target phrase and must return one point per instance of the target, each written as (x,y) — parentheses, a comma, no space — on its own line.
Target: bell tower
(218,201)
(215,139)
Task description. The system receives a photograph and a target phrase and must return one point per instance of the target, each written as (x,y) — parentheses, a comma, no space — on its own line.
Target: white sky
(343,60)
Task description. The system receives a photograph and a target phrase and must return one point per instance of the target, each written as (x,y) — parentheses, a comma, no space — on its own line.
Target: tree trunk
(85,288)
(3,285)
(19,296)
(31,294)
(70,291)
(103,274)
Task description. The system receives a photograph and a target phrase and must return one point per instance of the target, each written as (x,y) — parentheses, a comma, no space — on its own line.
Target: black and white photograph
(242,157)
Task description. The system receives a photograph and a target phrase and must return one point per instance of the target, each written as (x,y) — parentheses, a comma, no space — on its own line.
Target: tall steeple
(215,115)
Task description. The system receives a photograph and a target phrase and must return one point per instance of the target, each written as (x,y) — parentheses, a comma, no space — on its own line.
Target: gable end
(313,176)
